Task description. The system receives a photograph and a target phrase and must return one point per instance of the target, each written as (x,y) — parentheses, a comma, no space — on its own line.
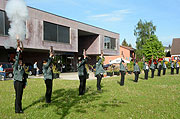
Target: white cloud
(116,15)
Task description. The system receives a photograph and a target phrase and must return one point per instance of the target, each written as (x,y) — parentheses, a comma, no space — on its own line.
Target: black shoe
(20,112)
(48,102)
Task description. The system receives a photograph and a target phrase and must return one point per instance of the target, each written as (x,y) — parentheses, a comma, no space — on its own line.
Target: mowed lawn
(157,98)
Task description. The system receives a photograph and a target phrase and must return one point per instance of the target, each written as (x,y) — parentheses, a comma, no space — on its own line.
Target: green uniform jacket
(99,67)
(152,65)
(18,70)
(122,68)
(81,68)
(136,67)
(159,65)
(47,70)
(145,65)
(177,65)
(172,64)
(164,65)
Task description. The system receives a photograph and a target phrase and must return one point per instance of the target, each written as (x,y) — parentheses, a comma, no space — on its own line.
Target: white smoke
(17,13)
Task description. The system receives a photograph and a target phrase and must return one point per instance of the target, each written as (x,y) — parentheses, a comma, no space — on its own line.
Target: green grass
(157,98)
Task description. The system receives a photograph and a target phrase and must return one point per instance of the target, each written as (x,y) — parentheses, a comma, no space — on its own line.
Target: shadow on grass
(113,103)
(64,100)
(141,78)
(42,99)
(131,80)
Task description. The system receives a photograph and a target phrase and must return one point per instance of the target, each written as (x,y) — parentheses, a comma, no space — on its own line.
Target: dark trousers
(136,76)
(146,74)
(48,94)
(152,73)
(172,71)
(18,86)
(122,78)
(159,72)
(177,70)
(82,86)
(164,71)
(99,78)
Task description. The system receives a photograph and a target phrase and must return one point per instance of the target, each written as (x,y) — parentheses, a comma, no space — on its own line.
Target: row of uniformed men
(20,76)
(153,67)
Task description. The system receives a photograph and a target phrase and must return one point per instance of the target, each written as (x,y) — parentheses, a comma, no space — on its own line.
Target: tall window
(56,33)
(4,23)
(109,43)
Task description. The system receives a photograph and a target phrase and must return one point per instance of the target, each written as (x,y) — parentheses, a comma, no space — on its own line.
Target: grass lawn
(157,98)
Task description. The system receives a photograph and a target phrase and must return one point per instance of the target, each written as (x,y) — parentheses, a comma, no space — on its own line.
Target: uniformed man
(19,81)
(152,67)
(146,69)
(177,67)
(136,71)
(172,67)
(48,77)
(82,73)
(164,67)
(159,66)
(122,71)
(99,71)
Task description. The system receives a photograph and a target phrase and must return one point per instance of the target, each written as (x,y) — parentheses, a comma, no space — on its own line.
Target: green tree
(153,47)
(130,45)
(124,43)
(143,31)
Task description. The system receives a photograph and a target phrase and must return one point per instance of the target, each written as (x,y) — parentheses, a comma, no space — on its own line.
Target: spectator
(2,72)
(36,69)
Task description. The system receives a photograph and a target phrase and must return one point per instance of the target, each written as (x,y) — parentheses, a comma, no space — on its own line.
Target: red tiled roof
(129,48)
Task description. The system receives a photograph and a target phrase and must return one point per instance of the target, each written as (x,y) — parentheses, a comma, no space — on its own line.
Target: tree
(143,31)
(124,43)
(153,47)
(130,45)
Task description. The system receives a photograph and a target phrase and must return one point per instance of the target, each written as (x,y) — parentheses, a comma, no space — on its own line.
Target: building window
(109,43)
(4,23)
(56,33)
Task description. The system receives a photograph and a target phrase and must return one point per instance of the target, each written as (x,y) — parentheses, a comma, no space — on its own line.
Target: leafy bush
(141,65)
(130,66)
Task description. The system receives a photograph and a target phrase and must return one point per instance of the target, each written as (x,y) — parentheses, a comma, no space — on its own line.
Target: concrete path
(66,76)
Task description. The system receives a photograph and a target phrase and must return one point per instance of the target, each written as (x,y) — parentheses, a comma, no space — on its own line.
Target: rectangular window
(63,34)
(50,31)
(56,33)
(4,23)
(7,24)
(109,43)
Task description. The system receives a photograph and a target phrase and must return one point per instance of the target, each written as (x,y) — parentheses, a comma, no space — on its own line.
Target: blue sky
(119,16)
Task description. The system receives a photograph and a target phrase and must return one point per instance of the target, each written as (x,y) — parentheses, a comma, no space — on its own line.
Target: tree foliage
(124,43)
(130,45)
(143,31)
(153,47)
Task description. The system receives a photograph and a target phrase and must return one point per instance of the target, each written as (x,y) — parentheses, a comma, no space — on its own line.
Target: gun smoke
(17,13)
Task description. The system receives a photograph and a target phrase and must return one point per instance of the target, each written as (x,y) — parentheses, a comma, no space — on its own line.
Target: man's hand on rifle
(84,53)
(51,55)
(101,54)
(18,49)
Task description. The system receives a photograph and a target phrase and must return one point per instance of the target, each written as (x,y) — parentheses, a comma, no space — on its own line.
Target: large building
(67,36)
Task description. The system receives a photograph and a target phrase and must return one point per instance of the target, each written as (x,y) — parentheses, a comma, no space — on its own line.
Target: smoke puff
(17,14)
